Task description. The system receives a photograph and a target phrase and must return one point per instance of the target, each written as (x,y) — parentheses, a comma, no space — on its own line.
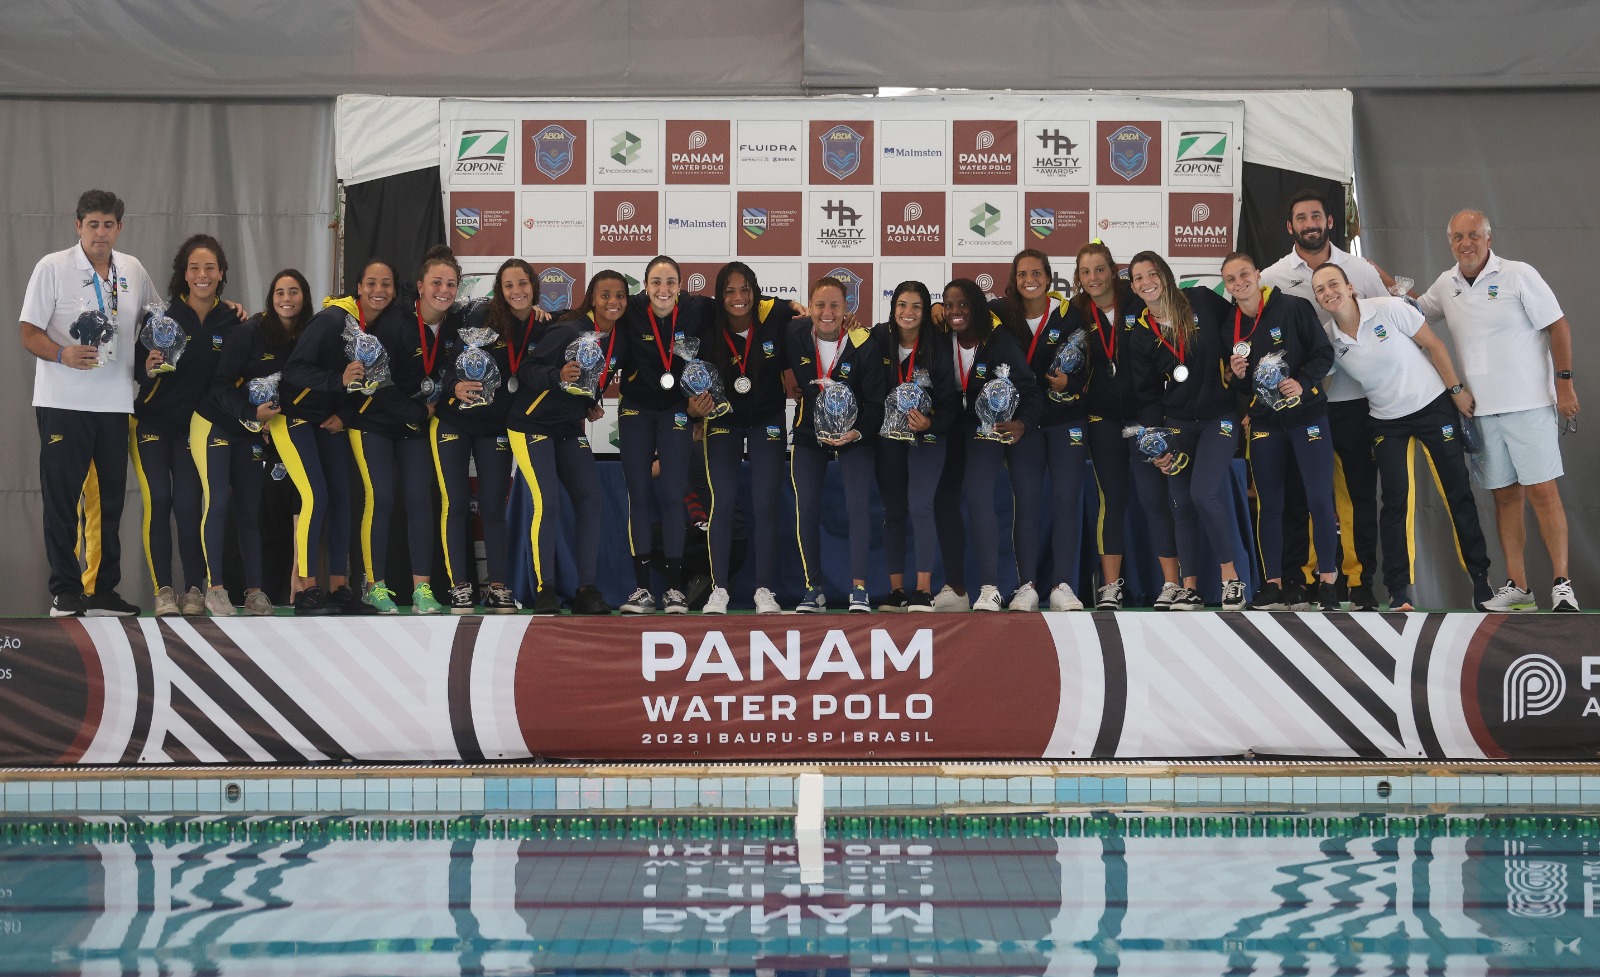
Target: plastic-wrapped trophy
(902,400)
(94,328)
(1402,286)
(262,390)
(162,334)
(1271,370)
(365,348)
(836,411)
(475,364)
(1070,359)
(591,359)
(1153,442)
(700,377)
(997,402)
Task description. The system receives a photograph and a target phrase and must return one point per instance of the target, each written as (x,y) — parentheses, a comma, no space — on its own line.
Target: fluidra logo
(1535,685)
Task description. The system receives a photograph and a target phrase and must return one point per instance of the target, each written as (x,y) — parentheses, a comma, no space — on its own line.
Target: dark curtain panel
(397,217)
(1264,212)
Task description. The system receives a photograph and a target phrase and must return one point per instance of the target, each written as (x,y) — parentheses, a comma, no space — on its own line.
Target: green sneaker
(381,597)
(423,602)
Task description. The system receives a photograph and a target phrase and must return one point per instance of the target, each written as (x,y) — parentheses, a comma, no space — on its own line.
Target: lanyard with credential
(111,283)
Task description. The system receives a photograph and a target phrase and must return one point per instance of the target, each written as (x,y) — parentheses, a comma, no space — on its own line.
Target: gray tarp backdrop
(1450,112)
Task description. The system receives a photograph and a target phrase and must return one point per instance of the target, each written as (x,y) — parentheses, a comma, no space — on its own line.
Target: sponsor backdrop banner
(1059,686)
(871,191)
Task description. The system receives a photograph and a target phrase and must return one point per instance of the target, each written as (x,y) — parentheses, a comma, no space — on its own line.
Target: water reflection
(1126,900)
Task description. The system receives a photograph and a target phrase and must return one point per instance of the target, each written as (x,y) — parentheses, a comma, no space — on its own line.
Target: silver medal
(742,385)
(668,381)
(1181,373)
(511,384)
(1241,349)
(429,386)
(1113,368)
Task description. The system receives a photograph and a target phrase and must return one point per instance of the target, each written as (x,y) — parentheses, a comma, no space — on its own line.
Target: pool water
(1021,893)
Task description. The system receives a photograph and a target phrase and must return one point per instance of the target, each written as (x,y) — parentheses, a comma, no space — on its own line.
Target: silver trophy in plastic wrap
(836,411)
(94,328)
(1153,442)
(262,390)
(363,347)
(476,365)
(1070,359)
(1271,370)
(902,400)
(997,402)
(700,377)
(162,334)
(591,359)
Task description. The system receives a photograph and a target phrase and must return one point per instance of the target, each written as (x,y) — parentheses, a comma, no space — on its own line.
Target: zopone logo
(1534,686)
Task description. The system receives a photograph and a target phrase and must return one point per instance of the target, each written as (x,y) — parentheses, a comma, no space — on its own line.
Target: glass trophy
(591,359)
(997,402)
(162,334)
(700,377)
(365,348)
(836,411)
(93,328)
(1070,359)
(1153,442)
(902,400)
(476,365)
(1271,370)
(262,390)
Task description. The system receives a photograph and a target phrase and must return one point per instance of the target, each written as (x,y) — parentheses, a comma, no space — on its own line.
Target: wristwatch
(1563,374)
(1457,389)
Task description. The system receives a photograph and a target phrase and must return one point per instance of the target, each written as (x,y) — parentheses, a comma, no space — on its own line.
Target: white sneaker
(1233,595)
(1512,598)
(988,598)
(166,603)
(717,603)
(1169,593)
(1026,598)
(1563,598)
(1063,599)
(950,602)
(218,604)
(767,602)
(641,601)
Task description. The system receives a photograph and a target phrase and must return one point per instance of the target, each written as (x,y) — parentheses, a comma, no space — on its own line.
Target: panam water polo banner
(834,687)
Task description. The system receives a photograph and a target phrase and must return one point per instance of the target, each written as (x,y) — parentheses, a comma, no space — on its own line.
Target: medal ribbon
(1040,331)
(1238,315)
(749,337)
(1177,351)
(606,371)
(428,356)
(1109,345)
(910,365)
(838,350)
(514,353)
(964,372)
(665,351)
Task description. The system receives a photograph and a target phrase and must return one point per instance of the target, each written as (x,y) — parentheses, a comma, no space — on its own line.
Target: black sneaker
(1363,599)
(1400,598)
(497,599)
(312,601)
(108,604)
(461,599)
(68,605)
(1188,600)
(920,602)
(589,600)
(1482,593)
(1328,597)
(896,601)
(547,604)
(1269,598)
(347,601)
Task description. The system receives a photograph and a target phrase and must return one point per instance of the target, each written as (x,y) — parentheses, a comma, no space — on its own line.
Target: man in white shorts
(1516,352)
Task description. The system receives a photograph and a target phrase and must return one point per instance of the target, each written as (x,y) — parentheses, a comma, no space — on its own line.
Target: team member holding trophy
(923,404)
(481,358)
(559,386)
(177,352)
(1281,355)
(336,356)
(225,434)
(842,385)
(744,343)
(1000,404)
(1199,406)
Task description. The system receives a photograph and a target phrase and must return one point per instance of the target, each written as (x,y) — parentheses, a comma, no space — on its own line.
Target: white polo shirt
(1499,324)
(63,286)
(1291,274)
(1393,372)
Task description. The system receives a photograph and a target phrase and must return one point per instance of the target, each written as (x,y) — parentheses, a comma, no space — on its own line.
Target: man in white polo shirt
(82,395)
(1516,351)
(1355,474)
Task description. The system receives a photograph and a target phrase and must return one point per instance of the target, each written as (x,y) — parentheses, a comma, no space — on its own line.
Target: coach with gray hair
(1516,353)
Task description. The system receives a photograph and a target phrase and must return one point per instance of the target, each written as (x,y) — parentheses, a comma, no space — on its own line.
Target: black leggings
(549,464)
(808,465)
(947,509)
(725,445)
(1436,428)
(453,452)
(1062,448)
(1116,461)
(1268,451)
(83,475)
(908,477)
(318,462)
(384,461)
(170,486)
(1202,494)
(229,463)
(642,437)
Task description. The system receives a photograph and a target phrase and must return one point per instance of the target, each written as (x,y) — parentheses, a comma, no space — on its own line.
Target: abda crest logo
(1534,686)
(553,151)
(841,151)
